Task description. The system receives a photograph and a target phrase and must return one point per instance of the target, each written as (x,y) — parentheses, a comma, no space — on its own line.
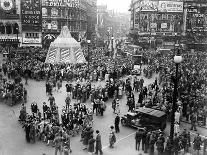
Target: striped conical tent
(65,49)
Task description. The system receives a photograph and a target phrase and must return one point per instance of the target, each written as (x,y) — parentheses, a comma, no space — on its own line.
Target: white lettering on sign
(32,40)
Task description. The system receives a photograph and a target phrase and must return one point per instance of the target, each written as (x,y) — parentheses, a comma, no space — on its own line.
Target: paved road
(12,136)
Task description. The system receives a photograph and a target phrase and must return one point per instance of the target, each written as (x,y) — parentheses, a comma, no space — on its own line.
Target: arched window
(2,28)
(8,28)
(16,28)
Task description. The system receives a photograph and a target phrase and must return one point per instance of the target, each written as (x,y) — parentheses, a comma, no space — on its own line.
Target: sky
(116,5)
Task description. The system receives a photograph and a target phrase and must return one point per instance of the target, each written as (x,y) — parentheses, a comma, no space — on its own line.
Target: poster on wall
(54,12)
(31,15)
(44,12)
(170,6)
(163,25)
(54,25)
(148,5)
(61,3)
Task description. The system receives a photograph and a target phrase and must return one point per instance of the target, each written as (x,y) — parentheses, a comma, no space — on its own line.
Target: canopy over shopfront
(65,49)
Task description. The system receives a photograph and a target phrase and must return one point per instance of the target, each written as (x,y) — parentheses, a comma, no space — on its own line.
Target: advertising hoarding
(170,6)
(31,40)
(61,3)
(31,15)
(148,5)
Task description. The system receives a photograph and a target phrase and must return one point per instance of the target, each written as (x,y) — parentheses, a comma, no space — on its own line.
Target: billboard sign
(61,3)
(31,15)
(31,40)
(148,5)
(170,6)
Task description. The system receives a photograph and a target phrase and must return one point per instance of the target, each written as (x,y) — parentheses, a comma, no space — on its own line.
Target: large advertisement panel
(61,3)
(148,5)
(31,15)
(170,6)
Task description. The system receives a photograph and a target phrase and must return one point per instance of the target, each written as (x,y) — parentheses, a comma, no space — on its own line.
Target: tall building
(38,22)
(31,21)
(166,22)
(195,24)
(10,24)
(156,22)
(76,14)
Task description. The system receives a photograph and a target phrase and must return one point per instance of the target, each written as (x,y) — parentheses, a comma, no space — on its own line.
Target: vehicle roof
(152,112)
(131,113)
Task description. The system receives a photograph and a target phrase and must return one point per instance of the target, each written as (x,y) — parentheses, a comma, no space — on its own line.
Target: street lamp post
(88,41)
(177,60)
(112,46)
(17,36)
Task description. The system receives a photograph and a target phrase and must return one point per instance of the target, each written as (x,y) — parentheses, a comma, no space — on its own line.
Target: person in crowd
(144,137)
(58,143)
(91,144)
(204,145)
(67,102)
(197,143)
(160,146)
(138,138)
(98,143)
(193,122)
(112,137)
(116,123)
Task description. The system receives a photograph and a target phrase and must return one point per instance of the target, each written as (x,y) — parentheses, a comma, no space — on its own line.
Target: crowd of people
(12,92)
(77,118)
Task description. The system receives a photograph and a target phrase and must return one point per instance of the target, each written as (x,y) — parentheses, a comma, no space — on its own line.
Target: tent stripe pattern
(51,57)
(65,55)
(79,56)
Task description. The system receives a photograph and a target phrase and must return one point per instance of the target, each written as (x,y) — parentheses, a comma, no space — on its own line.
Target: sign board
(54,25)
(61,3)
(170,6)
(54,12)
(148,5)
(31,40)
(163,25)
(31,13)
(44,12)
(153,25)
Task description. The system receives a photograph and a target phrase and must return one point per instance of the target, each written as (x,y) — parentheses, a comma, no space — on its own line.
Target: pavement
(12,135)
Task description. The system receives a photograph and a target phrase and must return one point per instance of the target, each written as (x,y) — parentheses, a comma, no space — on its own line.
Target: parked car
(152,119)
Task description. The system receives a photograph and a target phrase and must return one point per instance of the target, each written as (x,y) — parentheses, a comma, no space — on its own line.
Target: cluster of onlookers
(12,92)
(152,140)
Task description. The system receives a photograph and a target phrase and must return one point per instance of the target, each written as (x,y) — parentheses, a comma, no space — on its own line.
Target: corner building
(156,23)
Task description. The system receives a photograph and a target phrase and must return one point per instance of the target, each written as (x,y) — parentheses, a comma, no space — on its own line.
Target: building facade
(195,24)
(38,22)
(76,14)
(156,22)
(10,24)
(164,23)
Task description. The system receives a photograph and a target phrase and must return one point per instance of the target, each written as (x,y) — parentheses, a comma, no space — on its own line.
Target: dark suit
(98,144)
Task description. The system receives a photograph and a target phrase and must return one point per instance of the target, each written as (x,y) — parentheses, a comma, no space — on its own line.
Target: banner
(148,5)
(61,3)
(163,25)
(31,13)
(170,6)
(31,40)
